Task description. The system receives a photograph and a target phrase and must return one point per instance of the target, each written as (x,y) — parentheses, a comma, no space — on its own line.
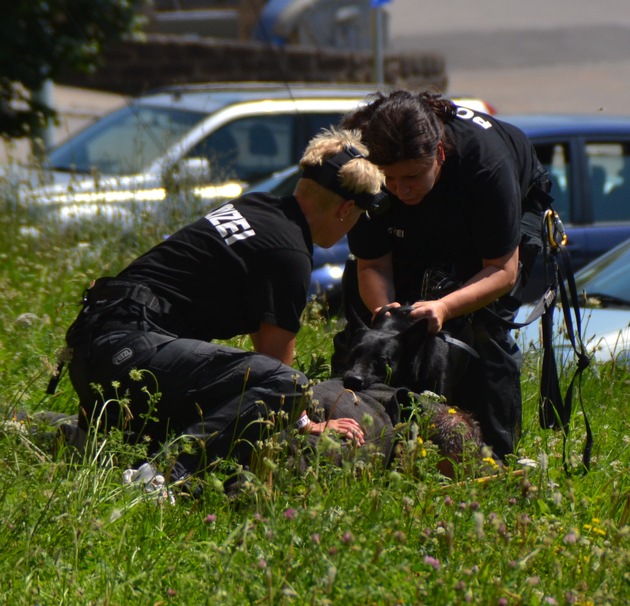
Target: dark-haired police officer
(242,269)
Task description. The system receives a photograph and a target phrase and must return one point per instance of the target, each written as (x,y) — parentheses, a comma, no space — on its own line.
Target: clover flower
(433,562)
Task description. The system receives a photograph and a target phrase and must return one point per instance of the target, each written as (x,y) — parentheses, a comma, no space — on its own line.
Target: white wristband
(302,422)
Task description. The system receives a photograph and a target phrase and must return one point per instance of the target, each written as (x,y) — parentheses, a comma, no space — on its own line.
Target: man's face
(412,180)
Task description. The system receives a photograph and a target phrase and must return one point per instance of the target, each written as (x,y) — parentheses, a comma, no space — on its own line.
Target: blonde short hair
(358,175)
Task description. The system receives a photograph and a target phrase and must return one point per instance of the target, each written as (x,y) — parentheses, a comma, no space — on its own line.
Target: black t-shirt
(472,213)
(246,262)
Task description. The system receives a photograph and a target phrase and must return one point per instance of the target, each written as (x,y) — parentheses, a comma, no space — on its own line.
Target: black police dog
(399,351)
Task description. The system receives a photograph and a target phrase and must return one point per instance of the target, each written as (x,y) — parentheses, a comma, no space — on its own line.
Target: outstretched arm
(496,278)
(280,344)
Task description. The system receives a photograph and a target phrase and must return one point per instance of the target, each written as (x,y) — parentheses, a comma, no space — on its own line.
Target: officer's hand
(346,428)
(435,312)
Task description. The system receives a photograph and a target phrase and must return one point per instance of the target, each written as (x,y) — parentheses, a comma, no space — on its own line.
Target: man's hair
(358,174)
(451,428)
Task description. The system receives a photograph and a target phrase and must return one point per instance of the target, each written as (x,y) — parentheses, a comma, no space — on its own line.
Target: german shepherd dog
(398,350)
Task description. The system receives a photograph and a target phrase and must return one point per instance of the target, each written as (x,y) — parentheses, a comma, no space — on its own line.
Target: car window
(126,142)
(609,276)
(555,158)
(308,125)
(609,170)
(249,148)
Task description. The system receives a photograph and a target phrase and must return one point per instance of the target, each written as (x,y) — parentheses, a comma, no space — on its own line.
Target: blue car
(588,158)
(604,303)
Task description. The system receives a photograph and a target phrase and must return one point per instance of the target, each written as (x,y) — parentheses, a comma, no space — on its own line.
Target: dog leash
(445,336)
(457,343)
(554,410)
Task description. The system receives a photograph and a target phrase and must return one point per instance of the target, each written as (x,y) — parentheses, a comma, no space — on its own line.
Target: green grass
(350,534)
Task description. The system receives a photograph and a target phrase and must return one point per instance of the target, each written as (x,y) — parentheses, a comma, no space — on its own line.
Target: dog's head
(381,354)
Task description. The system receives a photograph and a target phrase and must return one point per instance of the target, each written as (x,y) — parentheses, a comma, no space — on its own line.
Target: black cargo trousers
(130,373)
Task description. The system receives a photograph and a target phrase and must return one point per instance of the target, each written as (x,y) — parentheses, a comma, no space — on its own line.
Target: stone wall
(133,67)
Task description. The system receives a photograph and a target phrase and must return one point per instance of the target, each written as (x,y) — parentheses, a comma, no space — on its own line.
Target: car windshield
(607,280)
(125,142)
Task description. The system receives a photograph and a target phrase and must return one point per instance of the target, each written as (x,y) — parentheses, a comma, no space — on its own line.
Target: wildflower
(595,529)
(347,538)
(26,320)
(394,476)
(433,562)
(447,500)
(479,522)
(452,411)
(423,450)
(570,538)
(527,463)
(490,461)
(14,425)
(210,518)
(135,374)
(316,538)
(399,536)
(543,461)
(269,464)
(550,600)
(171,593)
(290,513)
(262,563)
(533,581)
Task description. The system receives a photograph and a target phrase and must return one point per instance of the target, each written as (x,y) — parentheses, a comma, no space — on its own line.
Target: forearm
(481,290)
(376,282)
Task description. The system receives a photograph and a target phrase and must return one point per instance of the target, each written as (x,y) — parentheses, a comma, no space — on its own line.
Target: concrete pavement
(534,56)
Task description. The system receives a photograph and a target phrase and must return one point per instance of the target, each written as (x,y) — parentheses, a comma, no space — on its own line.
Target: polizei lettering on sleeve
(230,224)
(468,114)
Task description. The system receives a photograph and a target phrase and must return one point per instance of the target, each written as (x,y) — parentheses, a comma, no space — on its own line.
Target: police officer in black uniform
(451,243)
(242,269)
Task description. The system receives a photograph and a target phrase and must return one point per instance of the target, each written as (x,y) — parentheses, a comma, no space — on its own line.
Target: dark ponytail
(401,125)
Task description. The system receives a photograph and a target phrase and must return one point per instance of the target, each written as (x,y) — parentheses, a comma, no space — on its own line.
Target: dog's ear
(415,334)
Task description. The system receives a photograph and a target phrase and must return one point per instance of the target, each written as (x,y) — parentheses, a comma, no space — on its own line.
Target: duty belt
(109,289)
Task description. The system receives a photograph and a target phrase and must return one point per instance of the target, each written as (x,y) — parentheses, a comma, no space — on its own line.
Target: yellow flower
(595,529)
(490,461)
(452,411)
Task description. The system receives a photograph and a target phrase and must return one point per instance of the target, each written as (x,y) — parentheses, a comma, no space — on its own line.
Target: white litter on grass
(153,482)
